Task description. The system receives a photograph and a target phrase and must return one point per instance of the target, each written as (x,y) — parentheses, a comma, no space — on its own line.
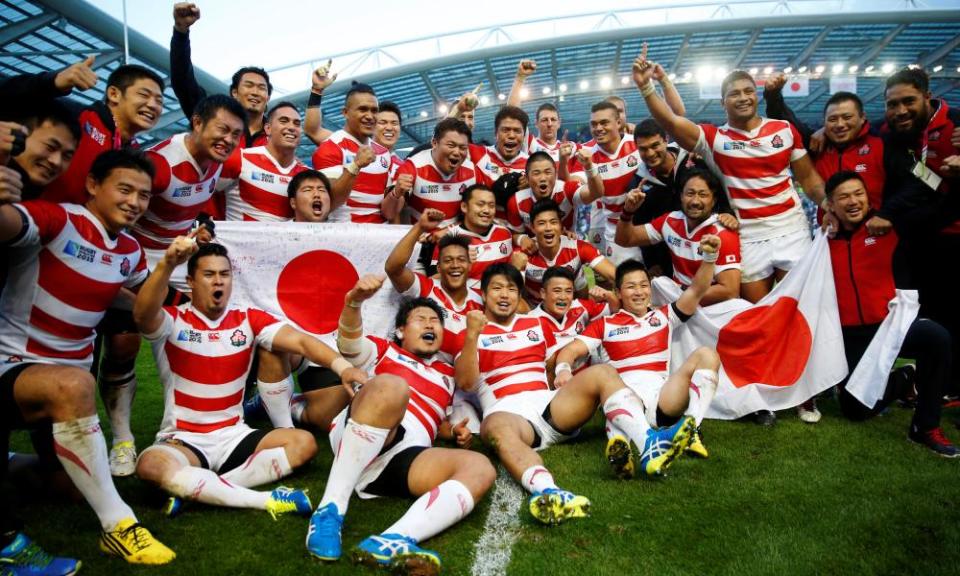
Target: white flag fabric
(776,353)
(843,84)
(302,271)
(869,379)
(796,87)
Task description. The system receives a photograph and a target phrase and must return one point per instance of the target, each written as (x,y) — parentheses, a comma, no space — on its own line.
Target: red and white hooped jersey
(455,323)
(181,190)
(259,190)
(430,382)
(684,244)
(565,193)
(755,170)
(636,345)
(203,364)
(512,358)
(616,170)
(64,272)
(579,315)
(434,189)
(494,246)
(535,144)
(573,255)
(492,165)
(363,205)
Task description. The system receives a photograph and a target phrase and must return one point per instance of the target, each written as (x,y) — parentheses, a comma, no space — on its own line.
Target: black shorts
(317,378)
(12,417)
(394,480)
(244,450)
(664,420)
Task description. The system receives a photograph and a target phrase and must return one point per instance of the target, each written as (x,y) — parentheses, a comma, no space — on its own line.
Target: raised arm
(683,131)
(396,266)
(691,297)
(313,121)
(182,78)
(525,69)
(468,101)
(148,307)
(777,107)
(467,364)
(594,180)
(629,234)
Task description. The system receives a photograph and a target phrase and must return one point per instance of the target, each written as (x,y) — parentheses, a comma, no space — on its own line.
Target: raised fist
(634,199)
(430,219)
(184,15)
(181,249)
(365,288)
(476,320)
(710,244)
(775,83)
(365,156)
(526,68)
(585,157)
(13,138)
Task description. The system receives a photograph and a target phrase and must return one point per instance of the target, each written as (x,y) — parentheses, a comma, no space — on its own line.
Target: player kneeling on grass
(504,361)
(203,349)
(637,341)
(382,441)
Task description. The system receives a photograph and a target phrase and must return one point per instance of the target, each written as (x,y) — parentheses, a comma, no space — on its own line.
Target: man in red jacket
(863,271)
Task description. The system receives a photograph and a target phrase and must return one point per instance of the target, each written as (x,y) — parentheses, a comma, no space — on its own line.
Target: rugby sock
(625,411)
(261,467)
(82,450)
(298,405)
(117,393)
(612,430)
(205,486)
(359,445)
(276,401)
(434,512)
(703,386)
(536,479)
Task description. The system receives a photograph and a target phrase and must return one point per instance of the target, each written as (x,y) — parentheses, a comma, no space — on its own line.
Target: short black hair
(512,112)
(451,125)
(915,77)
(358,88)
(206,109)
(711,180)
(558,272)
(127,75)
(52,111)
(109,160)
(627,267)
(733,77)
(390,106)
(453,240)
(501,269)
(208,249)
(238,75)
(538,156)
(649,128)
(548,107)
(297,180)
(839,178)
(279,105)
(844,97)
(409,305)
(544,205)
(467,193)
(605,105)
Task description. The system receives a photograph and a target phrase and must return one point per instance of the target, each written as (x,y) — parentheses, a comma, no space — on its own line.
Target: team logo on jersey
(213,337)
(262,177)
(777,142)
(631,161)
(238,338)
(933,136)
(98,136)
(383,161)
(190,336)
(182,192)
(80,252)
(864,150)
(503,249)
(654,321)
(860,168)
(491,341)
(580,326)
(533,336)
(870,241)
(462,188)
(618,331)
(734,146)
(125,266)
(14,358)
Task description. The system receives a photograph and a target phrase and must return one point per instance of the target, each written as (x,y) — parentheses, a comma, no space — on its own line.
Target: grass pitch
(831,498)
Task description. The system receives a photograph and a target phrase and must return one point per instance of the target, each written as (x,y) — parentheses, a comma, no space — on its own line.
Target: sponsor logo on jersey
(79,251)
(777,141)
(870,241)
(106,258)
(754,143)
(91,130)
(631,161)
(733,146)
(618,331)
(125,266)
(533,336)
(182,191)
(189,336)
(861,168)
(238,338)
(213,337)
(864,150)
(262,177)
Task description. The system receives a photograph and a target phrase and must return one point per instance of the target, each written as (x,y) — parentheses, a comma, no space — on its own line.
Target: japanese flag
(797,86)
(301,271)
(775,354)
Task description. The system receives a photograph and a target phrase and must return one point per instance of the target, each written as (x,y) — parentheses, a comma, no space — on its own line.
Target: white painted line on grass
(492,551)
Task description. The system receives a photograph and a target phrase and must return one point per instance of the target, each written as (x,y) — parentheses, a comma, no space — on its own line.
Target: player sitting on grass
(383,441)
(504,361)
(203,349)
(637,341)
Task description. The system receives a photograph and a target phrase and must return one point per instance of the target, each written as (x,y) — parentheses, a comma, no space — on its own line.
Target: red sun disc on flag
(794,86)
(311,288)
(766,344)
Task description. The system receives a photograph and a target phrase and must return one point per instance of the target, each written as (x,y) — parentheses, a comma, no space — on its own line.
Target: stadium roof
(581,58)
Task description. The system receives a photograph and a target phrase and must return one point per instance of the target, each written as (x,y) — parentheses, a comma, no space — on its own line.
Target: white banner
(776,353)
(302,271)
